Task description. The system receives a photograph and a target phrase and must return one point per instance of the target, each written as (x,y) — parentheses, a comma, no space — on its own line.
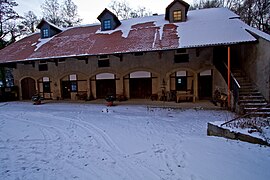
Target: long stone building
(181,52)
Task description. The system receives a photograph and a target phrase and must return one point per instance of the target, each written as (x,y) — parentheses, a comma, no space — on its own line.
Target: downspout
(229,77)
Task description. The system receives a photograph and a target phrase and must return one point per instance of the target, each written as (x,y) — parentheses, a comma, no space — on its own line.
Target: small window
(45,33)
(72,77)
(181,56)
(177,15)
(107,24)
(43,67)
(104,63)
(73,86)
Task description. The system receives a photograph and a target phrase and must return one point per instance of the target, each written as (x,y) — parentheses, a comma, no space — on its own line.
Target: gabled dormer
(177,11)
(108,20)
(47,29)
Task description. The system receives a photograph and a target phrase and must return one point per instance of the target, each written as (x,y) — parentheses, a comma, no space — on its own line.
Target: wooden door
(140,88)
(205,87)
(105,87)
(66,90)
(28,88)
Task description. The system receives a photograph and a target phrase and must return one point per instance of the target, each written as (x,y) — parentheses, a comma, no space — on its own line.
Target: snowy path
(86,141)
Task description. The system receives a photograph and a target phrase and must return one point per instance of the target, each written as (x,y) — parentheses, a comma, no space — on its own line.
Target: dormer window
(108,20)
(107,24)
(177,11)
(47,29)
(177,15)
(45,33)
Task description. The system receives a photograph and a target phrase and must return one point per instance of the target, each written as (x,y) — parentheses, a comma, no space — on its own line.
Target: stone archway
(28,88)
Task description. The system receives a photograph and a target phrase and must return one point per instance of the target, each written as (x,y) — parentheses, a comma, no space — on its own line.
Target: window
(73,86)
(177,15)
(43,67)
(181,56)
(181,81)
(107,24)
(45,33)
(103,61)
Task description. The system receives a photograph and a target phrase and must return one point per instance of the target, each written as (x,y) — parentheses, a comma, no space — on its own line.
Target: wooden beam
(229,77)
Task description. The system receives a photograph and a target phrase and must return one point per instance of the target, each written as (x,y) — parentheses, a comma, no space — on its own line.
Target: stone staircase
(250,99)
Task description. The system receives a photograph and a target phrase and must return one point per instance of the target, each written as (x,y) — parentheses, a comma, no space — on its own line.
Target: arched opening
(28,88)
(140,84)
(105,85)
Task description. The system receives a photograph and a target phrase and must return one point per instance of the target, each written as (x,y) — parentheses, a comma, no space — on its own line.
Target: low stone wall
(214,130)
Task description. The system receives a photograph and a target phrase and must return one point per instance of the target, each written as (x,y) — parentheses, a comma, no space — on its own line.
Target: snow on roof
(41,42)
(213,26)
(206,27)
(127,25)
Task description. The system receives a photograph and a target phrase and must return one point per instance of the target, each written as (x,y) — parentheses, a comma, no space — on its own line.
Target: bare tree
(7,14)
(30,22)
(70,14)
(123,10)
(51,12)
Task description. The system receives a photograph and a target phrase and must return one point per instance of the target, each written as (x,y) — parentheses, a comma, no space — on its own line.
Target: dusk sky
(90,9)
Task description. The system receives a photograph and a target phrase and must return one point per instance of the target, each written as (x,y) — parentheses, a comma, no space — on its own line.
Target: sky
(90,9)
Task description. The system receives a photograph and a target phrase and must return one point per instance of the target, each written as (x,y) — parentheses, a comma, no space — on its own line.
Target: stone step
(245,84)
(254,104)
(252,101)
(259,110)
(249,93)
(248,89)
(243,97)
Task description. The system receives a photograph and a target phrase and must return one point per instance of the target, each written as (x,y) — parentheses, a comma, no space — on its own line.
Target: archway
(28,88)
(105,84)
(140,84)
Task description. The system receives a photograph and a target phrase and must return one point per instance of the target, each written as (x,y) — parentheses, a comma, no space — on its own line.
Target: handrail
(242,116)
(235,80)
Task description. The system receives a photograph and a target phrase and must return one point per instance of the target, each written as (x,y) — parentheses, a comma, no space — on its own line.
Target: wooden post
(229,77)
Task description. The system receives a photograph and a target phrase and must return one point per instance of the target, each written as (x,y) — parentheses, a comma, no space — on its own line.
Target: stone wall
(256,63)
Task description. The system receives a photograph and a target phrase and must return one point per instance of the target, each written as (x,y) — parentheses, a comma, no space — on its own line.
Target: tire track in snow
(60,156)
(123,160)
(110,146)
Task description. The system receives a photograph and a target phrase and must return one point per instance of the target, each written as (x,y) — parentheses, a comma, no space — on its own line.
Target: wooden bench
(184,95)
(81,95)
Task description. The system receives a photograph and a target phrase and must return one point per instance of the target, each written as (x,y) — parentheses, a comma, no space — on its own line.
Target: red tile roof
(85,41)
(203,28)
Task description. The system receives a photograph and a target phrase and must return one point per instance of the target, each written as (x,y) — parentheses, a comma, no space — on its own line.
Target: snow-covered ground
(58,141)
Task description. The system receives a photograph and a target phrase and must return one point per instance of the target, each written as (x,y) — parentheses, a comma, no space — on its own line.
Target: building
(183,52)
